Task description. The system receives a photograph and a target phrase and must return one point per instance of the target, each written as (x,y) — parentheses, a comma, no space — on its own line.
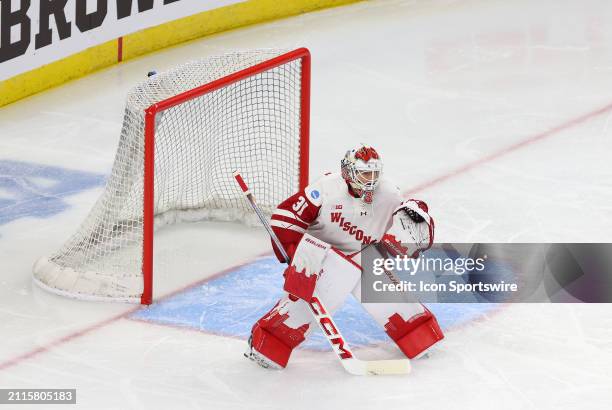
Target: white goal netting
(251,125)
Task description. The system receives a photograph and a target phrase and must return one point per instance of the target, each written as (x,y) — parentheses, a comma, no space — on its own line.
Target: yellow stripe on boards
(58,72)
(217,21)
(155,38)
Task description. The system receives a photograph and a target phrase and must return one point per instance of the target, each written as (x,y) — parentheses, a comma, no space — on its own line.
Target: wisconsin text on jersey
(352,229)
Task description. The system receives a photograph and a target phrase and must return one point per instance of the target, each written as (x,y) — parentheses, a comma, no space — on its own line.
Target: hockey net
(184,132)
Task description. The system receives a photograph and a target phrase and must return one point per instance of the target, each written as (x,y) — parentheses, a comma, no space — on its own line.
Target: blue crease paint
(229,305)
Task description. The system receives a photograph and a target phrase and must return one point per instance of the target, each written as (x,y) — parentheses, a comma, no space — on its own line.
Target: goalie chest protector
(346,222)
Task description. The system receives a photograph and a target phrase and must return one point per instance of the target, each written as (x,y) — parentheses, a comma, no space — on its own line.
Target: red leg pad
(416,334)
(270,346)
(274,339)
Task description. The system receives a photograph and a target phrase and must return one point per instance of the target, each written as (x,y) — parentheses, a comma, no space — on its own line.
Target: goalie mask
(361,169)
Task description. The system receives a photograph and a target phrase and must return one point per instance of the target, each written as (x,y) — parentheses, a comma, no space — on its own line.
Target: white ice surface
(434,85)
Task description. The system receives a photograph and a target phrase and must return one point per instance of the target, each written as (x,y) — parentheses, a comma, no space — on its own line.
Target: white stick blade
(376,367)
(380,367)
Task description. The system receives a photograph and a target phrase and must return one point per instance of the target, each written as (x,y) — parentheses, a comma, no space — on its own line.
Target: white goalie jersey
(326,210)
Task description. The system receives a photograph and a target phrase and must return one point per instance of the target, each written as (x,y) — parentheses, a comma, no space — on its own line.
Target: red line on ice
(34,352)
(81,332)
(507,150)
(427,184)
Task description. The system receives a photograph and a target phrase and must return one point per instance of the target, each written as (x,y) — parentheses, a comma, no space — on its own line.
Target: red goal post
(302,54)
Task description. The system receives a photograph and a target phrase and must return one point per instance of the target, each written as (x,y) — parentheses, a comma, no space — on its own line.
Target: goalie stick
(324,320)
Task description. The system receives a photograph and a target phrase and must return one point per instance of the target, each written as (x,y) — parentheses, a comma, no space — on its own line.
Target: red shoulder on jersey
(291,219)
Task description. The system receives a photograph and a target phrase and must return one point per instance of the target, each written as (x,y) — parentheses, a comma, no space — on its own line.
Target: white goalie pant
(290,321)
(338,278)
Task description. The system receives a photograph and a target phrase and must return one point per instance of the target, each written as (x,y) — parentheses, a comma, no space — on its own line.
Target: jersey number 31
(300,205)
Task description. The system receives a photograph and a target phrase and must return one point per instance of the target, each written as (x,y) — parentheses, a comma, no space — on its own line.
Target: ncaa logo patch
(315,194)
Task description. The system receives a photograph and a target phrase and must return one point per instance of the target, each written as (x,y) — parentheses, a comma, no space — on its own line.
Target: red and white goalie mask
(361,169)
